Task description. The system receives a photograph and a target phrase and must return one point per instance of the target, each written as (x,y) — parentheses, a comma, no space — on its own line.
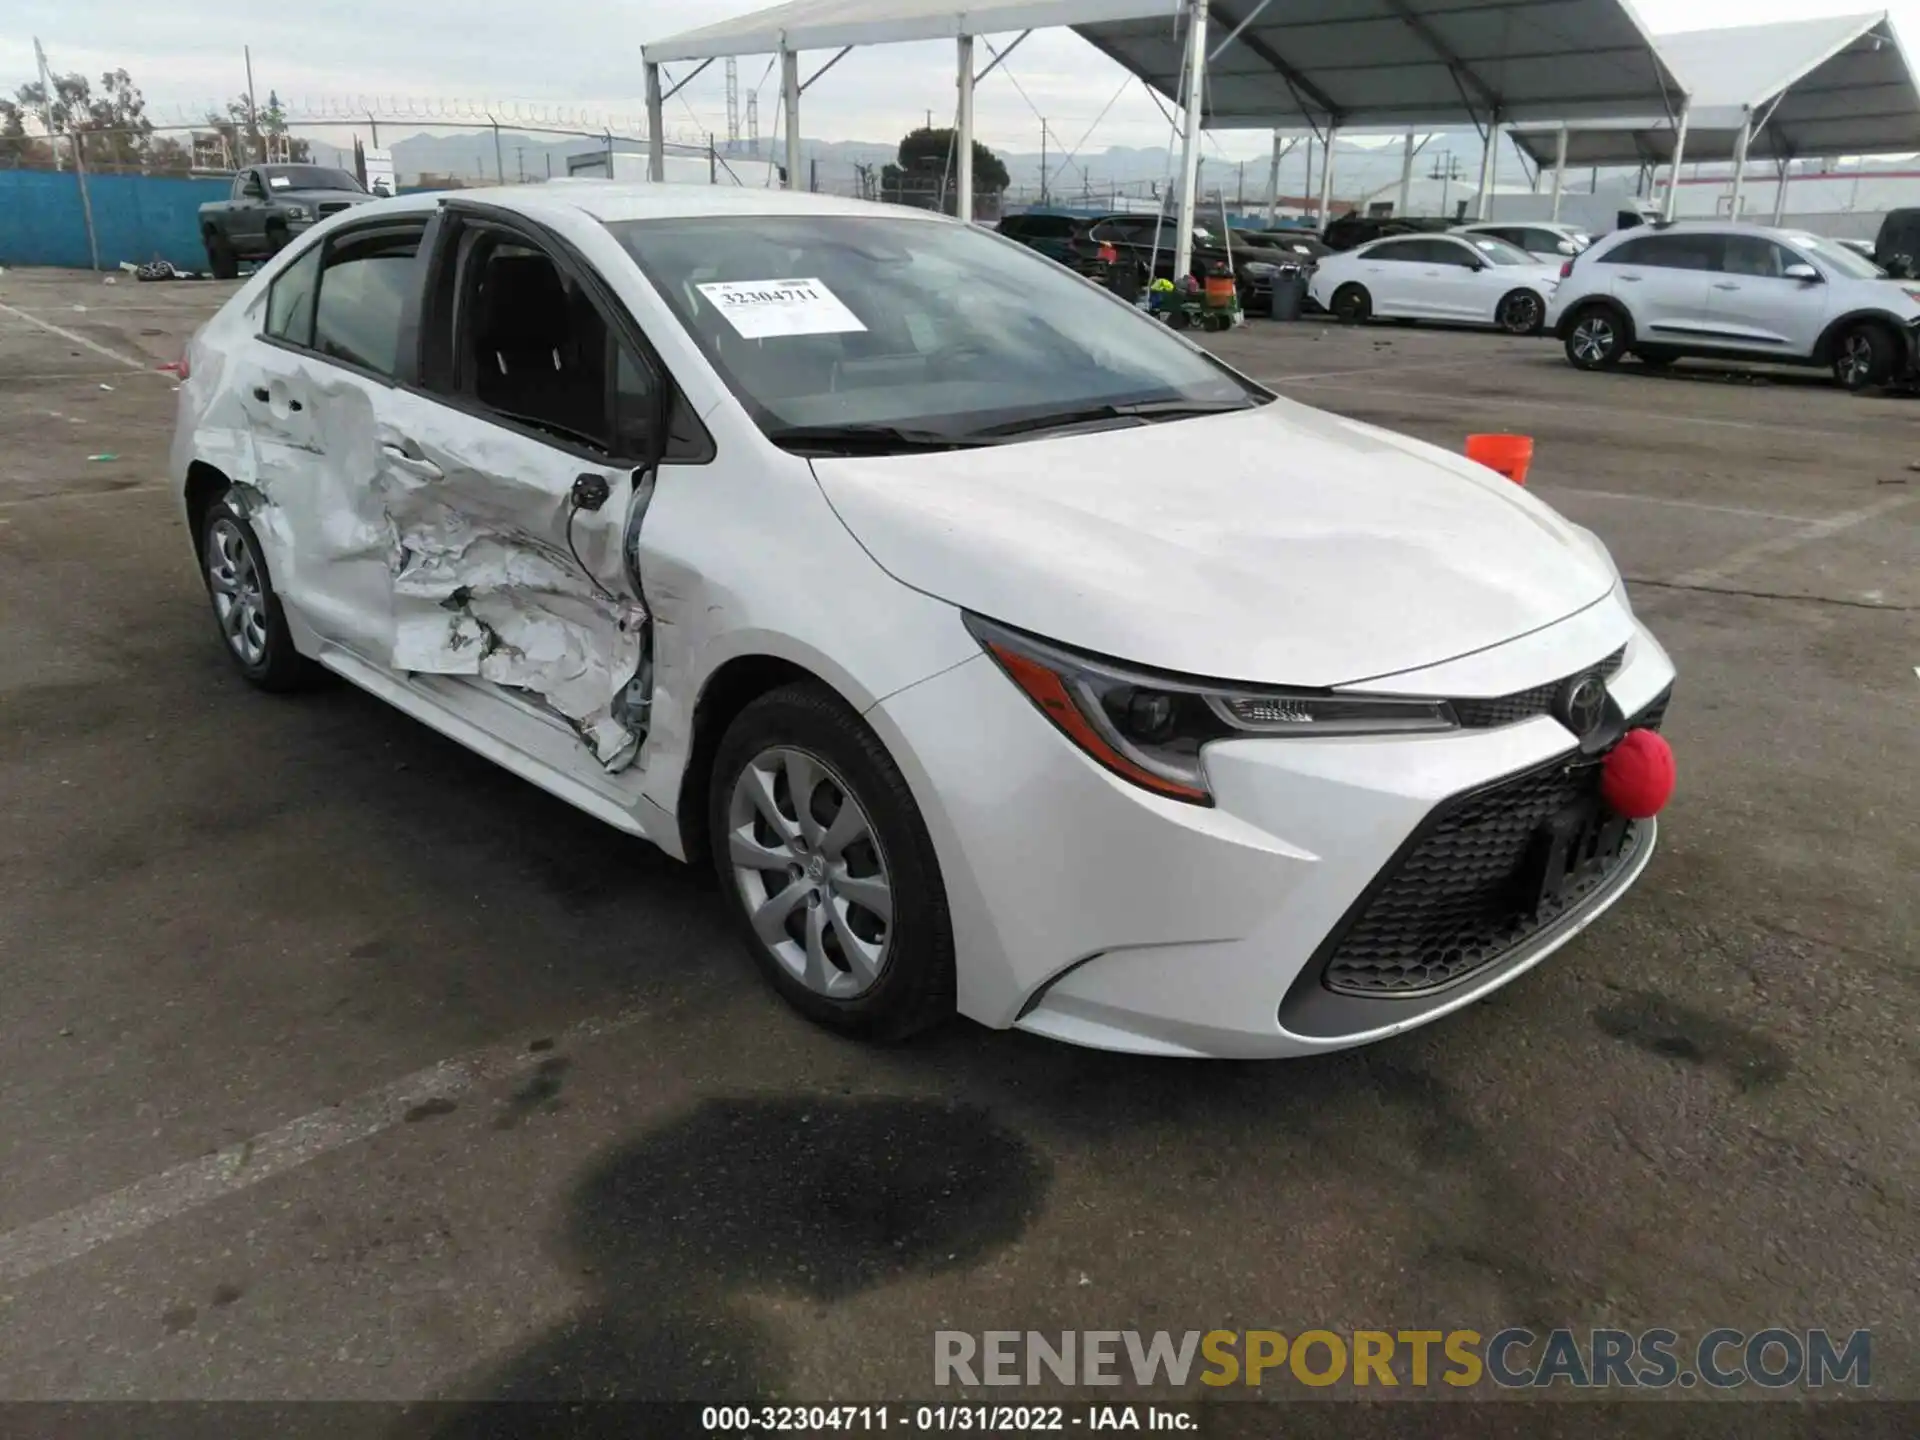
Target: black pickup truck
(270,205)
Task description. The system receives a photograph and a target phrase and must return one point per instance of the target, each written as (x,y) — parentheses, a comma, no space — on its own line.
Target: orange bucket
(1511,455)
(1219,292)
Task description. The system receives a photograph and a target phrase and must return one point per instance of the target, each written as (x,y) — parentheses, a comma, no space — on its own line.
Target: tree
(925,171)
(120,113)
(167,156)
(273,124)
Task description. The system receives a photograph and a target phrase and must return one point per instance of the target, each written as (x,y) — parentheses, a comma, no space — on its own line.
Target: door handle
(260,394)
(413,464)
(1725,285)
(1629,279)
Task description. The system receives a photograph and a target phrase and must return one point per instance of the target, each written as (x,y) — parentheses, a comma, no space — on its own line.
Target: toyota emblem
(1582,704)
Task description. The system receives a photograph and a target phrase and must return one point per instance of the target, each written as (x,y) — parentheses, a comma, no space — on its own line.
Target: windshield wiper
(1139,409)
(869,439)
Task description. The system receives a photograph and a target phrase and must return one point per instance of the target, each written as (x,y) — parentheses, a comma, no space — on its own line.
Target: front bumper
(1090,911)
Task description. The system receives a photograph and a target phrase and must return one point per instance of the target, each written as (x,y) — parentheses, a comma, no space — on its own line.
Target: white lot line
(1682,504)
(1748,556)
(69,497)
(1366,370)
(145,1203)
(73,339)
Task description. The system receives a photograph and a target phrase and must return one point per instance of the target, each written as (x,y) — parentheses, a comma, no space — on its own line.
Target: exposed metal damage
(455,555)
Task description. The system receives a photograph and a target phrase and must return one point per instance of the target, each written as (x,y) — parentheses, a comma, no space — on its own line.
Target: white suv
(1744,291)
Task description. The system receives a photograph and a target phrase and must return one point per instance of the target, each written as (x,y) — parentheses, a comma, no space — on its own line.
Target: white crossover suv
(999,649)
(1729,291)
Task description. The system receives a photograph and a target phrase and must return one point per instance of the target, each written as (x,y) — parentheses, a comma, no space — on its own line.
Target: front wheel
(1352,305)
(828,867)
(1521,313)
(1863,357)
(1597,340)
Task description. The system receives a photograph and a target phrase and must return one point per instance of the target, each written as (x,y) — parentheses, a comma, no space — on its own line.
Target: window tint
(363,290)
(1047,226)
(1668,252)
(290,301)
(1755,255)
(1401,251)
(1444,252)
(535,349)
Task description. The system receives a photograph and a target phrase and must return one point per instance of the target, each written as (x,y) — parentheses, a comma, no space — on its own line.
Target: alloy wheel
(810,869)
(239,598)
(1856,360)
(1593,340)
(1519,314)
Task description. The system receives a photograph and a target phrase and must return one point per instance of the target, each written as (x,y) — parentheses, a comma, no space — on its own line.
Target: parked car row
(1659,292)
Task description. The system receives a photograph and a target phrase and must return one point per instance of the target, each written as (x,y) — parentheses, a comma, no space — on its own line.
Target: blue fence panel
(135,217)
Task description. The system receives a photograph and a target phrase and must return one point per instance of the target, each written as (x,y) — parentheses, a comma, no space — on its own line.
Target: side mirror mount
(1804,273)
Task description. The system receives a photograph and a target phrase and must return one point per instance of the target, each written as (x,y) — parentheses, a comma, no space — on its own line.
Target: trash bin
(1288,293)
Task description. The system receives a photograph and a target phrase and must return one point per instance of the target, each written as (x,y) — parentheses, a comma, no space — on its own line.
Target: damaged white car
(1002,651)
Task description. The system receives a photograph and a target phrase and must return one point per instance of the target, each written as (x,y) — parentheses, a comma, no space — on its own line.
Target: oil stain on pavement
(813,1198)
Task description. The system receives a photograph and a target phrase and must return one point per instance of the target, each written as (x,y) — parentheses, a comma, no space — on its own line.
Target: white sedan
(1001,650)
(1468,280)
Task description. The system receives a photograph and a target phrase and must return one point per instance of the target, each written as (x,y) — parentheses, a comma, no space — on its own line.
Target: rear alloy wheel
(1352,305)
(1521,313)
(244,605)
(1595,342)
(828,867)
(1863,357)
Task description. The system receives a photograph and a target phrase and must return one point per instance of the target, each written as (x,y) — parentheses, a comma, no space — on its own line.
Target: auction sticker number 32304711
(763,309)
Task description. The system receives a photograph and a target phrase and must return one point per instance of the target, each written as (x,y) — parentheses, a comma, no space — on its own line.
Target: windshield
(1499,251)
(311,177)
(1839,258)
(918,325)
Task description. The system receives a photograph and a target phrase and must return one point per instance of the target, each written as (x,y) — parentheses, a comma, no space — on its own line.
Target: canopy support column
(1273,182)
(1489,168)
(1780,190)
(1740,144)
(1326,176)
(963,137)
(1190,151)
(1406,176)
(1679,158)
(656,129)
(790,93)
(1559,171)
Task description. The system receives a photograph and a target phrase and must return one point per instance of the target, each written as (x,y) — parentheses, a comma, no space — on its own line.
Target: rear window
(1668,252)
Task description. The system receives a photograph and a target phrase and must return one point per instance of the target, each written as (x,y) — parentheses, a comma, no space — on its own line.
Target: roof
(1844,86)
(615,200)
(1366,64)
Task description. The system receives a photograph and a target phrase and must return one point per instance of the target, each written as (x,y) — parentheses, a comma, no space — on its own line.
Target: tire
(1521,312)
(1352,305)
(1863,357)
(1596,338)
(877,976)
(221,260)
(253,627)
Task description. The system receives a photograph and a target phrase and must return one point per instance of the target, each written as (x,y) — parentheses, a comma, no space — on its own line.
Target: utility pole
(46,103)
(1240,188)
(1043,160)
(520,162)
(733,103)
(253,111)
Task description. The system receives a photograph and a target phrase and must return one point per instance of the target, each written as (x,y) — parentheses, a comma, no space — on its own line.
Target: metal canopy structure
(1829,87)
(1319,65)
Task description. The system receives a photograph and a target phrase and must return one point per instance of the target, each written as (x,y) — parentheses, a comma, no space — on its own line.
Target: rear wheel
(1521,313)
(221,260)
(252,624)
(1597,339)
(1352,305)
(1863,357)
(828,867)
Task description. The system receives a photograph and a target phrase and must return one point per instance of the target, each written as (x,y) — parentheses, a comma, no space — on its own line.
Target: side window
(1400,251)
(1446,252)
(364,288)
(1754,255)
(534,348)
(1632,252)
(290,301)
(1668,252)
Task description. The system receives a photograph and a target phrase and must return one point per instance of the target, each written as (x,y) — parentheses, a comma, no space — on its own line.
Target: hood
(323,197)
(1282,545)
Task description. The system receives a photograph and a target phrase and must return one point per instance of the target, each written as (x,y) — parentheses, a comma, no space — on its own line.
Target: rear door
(1391,270)
(1666,282)
(1756,306)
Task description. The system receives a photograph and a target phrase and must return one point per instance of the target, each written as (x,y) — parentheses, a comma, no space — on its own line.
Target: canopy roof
(1843,87)
(1365,64)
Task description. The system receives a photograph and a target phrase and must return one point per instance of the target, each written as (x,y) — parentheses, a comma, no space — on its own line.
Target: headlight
(1259,267)
(298,212)
(1911,293)
(1149,727)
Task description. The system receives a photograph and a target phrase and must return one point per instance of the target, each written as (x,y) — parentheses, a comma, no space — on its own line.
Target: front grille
(334,207)
(1525,704)
(1451,904)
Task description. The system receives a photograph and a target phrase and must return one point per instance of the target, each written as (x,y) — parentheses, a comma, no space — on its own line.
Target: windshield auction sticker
(763,309)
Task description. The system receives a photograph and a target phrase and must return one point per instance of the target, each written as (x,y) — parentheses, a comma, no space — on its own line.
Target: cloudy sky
(586,54)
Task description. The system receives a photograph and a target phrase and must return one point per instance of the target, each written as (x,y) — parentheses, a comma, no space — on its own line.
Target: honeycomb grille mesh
(1452,904)
(1525,704)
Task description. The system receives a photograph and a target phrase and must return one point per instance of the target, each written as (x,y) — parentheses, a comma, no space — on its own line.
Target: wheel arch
(1587,306)
(1885,319)
(205,484)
